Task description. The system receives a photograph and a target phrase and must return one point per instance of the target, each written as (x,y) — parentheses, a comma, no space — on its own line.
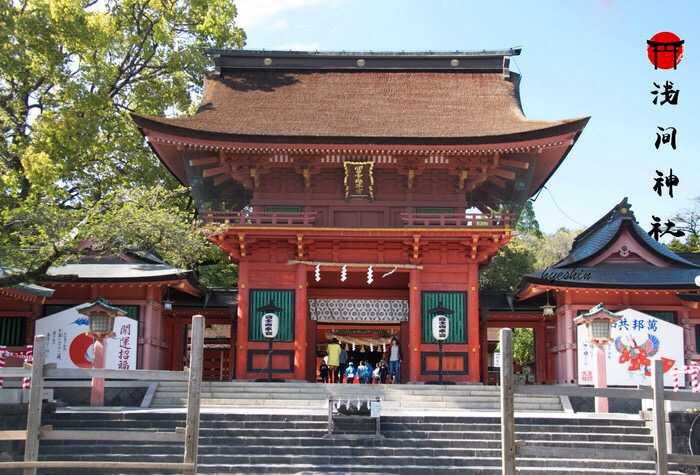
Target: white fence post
(31,444)
(507,414)
(193,391)
(660,443)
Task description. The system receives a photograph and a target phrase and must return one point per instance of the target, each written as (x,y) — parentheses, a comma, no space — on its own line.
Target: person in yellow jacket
(333,359)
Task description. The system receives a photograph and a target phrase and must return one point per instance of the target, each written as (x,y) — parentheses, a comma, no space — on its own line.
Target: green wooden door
(455,301)
(280,298)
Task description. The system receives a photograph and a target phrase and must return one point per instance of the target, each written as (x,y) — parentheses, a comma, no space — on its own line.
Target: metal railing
(35,432)
(511,447)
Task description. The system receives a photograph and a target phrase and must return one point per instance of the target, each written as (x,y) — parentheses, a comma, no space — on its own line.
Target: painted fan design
(638,355)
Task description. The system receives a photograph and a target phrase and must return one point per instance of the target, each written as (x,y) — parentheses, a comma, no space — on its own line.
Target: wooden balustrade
(305,218)
(500,220)
(308,218)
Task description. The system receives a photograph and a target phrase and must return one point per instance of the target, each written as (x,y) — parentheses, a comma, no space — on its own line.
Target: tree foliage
(688,221)
(523,346)
(72,164)
(530,250)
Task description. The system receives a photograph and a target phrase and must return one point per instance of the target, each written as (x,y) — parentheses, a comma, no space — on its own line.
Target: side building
(160,297)
(614,262)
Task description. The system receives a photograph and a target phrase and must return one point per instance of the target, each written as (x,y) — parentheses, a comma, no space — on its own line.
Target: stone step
(387,424)
(390,464)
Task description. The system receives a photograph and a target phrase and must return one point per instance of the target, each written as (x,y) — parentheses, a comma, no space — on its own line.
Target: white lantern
(441,327)
(270,324)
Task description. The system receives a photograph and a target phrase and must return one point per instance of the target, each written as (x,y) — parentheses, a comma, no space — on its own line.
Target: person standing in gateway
(343,364)
(395,361)
(333,359)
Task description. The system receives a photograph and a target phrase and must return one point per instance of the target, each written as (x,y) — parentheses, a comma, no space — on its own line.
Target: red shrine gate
(415,165)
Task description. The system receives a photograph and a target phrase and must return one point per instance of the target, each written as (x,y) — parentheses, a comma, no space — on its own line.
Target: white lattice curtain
(358,310)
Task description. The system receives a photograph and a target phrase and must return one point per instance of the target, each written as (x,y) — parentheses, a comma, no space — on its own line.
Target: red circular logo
(665,50)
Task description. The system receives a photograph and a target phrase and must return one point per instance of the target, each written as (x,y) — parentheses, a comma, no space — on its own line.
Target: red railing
(500,220)
(305,218)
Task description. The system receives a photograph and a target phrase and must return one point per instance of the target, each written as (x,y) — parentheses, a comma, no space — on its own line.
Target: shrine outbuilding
(614,262)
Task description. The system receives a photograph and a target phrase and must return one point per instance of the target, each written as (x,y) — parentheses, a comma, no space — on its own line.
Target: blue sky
(579,58)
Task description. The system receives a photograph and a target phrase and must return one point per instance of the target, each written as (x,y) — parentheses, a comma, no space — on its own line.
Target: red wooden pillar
(414,325)
(473,321)
(540,353)
(242,327)
(149,360)
(300,323)
(484,334)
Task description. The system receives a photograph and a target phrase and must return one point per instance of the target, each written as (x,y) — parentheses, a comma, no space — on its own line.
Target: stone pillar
(600,377)
(242,327)
(301,318)
(473,322)
(414,325)
(97,392)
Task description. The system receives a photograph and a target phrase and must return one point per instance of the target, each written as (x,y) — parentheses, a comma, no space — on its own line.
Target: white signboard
(637,340)
(375,408)
(270,325)
(69,346)
(497,359)
(441,327)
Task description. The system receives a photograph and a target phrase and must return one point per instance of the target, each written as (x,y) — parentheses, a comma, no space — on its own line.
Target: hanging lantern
(370,275)
(353,346)
(384,348)
(371,348)
(548,309)
(362,349)
(317,273)
(347,347)
(344,273)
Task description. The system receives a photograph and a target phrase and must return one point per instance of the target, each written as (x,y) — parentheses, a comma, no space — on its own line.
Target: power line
(561,210)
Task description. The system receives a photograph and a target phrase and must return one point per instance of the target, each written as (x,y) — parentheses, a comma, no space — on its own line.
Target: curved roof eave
(164,125)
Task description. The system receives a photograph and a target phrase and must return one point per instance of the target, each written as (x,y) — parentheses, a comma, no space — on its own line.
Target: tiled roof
(602,233)
(258,103)
(616,276)
(116,271)
(30,289)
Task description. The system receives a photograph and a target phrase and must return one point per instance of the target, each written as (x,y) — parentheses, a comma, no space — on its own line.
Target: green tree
(72,164)
(523,346)
(508,266)
(688,221)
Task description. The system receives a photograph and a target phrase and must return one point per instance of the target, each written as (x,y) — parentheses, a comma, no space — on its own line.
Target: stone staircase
(296,444)
(314,397)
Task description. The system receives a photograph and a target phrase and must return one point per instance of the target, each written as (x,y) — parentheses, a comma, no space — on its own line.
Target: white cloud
(279,25)
(313,46)
(254,12)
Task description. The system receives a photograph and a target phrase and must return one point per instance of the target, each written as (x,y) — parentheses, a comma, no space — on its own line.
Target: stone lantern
(101,317)
(597,323)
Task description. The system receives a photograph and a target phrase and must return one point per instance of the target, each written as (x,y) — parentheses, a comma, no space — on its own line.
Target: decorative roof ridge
(622,210)
(474,61)
(606,230)
(514,51)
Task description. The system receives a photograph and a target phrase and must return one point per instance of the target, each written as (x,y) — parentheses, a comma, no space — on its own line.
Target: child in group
(383,371)
(363,372)
(323,371)
(370,369)
(350,373)
(375,373)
